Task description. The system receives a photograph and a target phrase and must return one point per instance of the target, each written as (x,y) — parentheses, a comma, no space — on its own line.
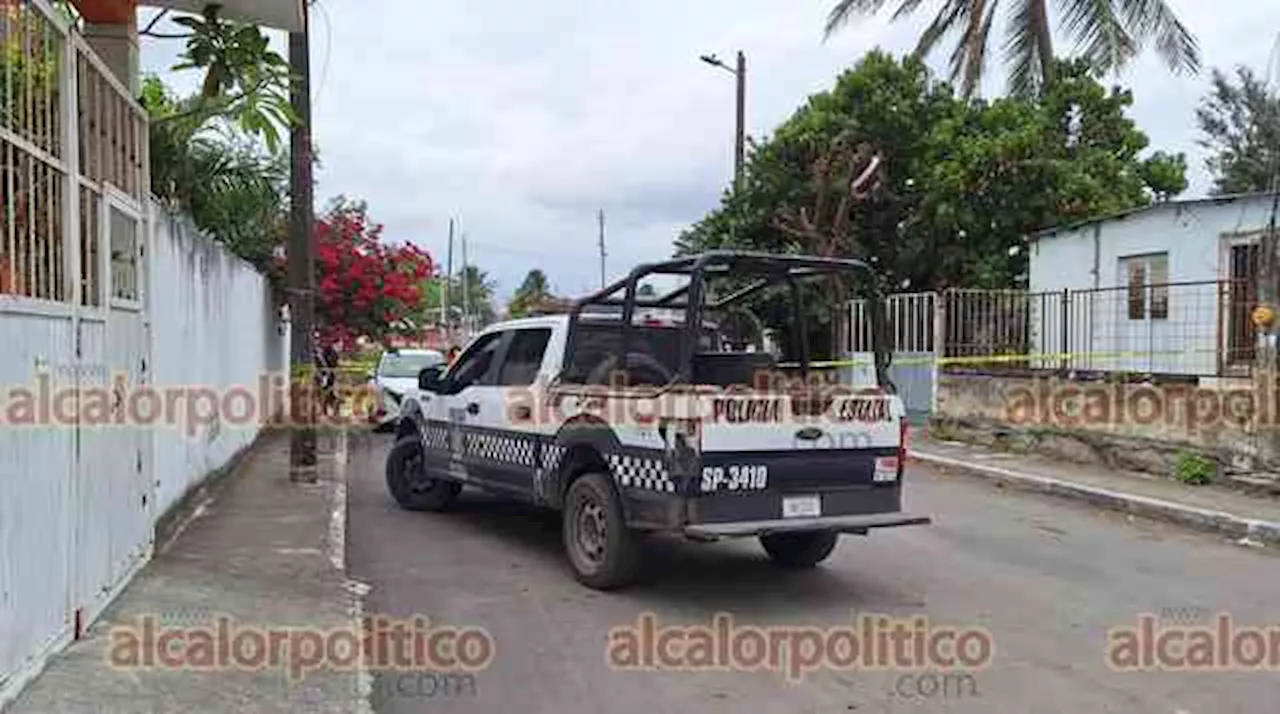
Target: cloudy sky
(522,120)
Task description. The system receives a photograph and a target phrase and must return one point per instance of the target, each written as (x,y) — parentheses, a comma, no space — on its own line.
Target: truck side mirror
(429,378)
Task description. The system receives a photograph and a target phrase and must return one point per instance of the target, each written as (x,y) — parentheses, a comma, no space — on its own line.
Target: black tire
(409,484)
(613,559)
(799,550)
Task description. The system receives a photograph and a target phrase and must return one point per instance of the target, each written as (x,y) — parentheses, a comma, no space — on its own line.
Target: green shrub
(1194,469)
(943,431)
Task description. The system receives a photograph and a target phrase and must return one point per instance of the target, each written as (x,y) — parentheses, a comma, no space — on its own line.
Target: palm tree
(532,292)
(1108,32)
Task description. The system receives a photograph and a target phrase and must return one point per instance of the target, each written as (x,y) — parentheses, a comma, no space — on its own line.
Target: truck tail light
(889,468)
(904,436)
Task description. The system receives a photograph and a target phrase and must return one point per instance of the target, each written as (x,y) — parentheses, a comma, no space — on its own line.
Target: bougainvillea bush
(364,286)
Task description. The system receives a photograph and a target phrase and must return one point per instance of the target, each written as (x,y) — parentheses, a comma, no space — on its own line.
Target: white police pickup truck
(634,415)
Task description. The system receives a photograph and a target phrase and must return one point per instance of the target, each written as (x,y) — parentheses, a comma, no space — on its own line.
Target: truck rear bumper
(845,524)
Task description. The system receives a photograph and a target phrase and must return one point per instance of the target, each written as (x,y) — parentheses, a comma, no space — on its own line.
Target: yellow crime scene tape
(940,361)
(999,358)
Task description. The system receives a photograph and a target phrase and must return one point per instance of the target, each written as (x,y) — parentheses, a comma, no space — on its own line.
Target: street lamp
(741,74)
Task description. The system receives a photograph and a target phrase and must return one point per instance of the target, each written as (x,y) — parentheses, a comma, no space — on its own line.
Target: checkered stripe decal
(517,450)
(436,437)
(552,455)
(641,472)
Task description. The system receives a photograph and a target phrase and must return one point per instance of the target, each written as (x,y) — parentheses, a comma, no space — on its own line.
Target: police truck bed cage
(694,298)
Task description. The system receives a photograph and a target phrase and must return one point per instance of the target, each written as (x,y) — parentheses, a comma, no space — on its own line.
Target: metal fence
(1185,328)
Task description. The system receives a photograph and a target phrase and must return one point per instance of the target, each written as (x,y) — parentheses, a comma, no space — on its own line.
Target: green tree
(532,291)
(958,184)
(1240,121)
(478,287)
(216,154)
(479,297)
(1109,34)
(246,84)
(1165,174)
(231,190)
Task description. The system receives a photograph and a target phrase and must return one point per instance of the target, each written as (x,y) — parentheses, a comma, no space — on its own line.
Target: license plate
(801,506)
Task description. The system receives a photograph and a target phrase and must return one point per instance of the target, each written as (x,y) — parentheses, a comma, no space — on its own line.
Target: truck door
(456,410)
(507,415)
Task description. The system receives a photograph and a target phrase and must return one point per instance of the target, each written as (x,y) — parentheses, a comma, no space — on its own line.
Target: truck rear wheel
(799,550)
(604,553)
(409,483)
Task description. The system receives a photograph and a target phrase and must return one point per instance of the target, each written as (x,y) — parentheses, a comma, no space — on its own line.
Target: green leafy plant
(215,174)
(29,68)
(1194,469)
(245,82)
(1240,123)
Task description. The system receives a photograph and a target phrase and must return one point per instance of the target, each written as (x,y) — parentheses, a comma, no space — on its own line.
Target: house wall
(215,338)
(1103,337)
(79,501)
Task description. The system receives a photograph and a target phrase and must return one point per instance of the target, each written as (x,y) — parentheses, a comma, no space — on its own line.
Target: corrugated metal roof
(1121,215)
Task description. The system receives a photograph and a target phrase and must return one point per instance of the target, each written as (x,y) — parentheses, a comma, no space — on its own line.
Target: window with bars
(1147,280)
(124,255)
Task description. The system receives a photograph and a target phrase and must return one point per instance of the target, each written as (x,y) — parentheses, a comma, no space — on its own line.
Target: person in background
(326,359)
(451,355)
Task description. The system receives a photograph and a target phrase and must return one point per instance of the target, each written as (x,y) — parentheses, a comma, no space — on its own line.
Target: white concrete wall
(79,503)
(213,331)
(1194,235)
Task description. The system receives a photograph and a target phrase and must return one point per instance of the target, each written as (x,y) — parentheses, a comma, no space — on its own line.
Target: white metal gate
(911,332)
(75,474)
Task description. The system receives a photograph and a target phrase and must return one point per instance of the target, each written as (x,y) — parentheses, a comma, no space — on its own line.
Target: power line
(328,49)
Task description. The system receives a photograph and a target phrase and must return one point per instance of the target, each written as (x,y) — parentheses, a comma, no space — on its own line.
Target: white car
(395,377)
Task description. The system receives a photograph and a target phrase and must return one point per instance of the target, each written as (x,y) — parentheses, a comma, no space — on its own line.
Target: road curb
(337,547)
(1239,527)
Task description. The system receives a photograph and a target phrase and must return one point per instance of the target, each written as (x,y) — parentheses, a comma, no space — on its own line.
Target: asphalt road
(1047,579)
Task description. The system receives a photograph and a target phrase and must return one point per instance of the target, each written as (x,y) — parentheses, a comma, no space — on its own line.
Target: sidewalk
(260,550)
(1215,509)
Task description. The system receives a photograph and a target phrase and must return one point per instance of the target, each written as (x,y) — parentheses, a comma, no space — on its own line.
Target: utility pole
(740,137)
(600,217)
(446,317)
(1266,372)
(301,268)
(740,119)
(466,292)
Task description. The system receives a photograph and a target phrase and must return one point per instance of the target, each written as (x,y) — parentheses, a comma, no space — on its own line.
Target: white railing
(69,133)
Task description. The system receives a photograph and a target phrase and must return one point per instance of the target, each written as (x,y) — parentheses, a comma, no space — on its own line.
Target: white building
(1165,288)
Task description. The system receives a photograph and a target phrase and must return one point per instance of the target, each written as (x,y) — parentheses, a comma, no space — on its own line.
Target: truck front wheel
(799,550)
(409,483)
(604,553)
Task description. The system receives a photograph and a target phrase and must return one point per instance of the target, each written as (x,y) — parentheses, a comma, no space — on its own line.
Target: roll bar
(774,268)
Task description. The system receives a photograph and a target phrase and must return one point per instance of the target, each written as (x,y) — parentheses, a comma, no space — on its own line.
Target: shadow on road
(676,574)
